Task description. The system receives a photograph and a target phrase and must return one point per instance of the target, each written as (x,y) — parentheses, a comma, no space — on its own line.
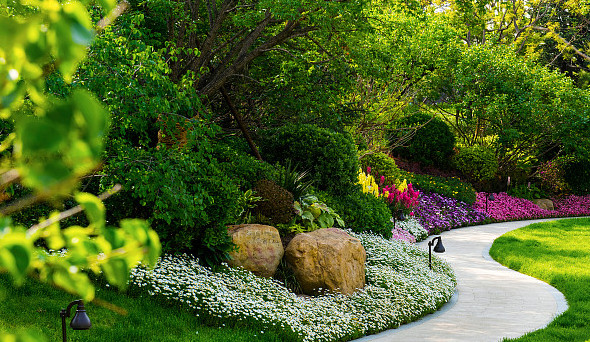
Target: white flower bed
(400,288)
(413,226)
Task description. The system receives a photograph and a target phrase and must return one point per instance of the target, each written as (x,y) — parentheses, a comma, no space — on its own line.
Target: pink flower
(368,169)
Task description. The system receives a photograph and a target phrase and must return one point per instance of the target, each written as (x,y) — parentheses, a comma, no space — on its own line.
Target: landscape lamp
(439,248)
(80,320)
(491,198)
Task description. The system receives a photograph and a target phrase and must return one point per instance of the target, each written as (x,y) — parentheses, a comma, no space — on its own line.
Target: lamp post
(439,248)
(80,320)
(491,198)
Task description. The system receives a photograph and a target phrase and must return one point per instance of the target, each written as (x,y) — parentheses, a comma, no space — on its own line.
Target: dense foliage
(373,217)
(330,156)
(431,141)
(188,200)
(478,163)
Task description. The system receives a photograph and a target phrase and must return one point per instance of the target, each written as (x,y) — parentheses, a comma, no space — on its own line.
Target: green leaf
(114,237)
(42,176)
(80,34)
(107,5)
(16,93)
(326,220)
(37,135)
(16,254)
(117,271)
(74,282)
(142,232)
(307,215)
(94,209)
(27,336)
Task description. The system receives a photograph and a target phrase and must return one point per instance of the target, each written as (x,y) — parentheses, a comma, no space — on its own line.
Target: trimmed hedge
(381,165)
(330,156)
(477,162)
(361,212)
(431,144)
(448,187)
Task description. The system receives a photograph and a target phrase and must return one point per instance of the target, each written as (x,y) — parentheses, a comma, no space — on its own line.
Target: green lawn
(558,253)
(36,306)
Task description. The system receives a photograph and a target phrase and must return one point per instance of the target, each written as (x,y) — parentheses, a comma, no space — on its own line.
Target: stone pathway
(491,301)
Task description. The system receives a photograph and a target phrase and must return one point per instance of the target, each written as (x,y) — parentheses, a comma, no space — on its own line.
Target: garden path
(491,301)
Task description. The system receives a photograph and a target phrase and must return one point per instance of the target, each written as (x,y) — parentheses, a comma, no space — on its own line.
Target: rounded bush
(432,144)
(381,165)
(478,163)
(243,169)
(331,157)
(361,212)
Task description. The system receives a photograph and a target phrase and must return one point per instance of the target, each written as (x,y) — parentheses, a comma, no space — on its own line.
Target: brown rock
(259,248)
(544,204)
(327,260)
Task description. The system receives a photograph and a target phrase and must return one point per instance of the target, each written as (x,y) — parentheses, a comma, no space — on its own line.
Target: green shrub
(186,197)
(432,144)
(243,169)
(361,212)
(331,157)
(381,165)
(478,163)
(526,191)
(448,187)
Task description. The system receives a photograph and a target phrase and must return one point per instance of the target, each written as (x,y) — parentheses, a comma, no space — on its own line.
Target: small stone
(544,204)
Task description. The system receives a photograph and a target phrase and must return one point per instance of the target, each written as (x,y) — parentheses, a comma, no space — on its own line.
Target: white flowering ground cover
(400,288)
(413,226)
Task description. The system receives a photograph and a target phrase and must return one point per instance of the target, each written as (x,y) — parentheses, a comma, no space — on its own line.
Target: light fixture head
(491,197)
(80,320)
(439,248)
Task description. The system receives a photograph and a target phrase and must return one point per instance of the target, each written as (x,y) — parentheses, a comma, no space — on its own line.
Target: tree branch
(71,212)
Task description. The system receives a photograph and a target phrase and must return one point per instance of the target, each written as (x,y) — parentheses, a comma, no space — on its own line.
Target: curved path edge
(491,301)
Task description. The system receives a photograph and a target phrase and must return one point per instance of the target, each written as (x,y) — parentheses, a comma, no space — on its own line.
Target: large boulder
(259,248)
(327,260)
(544,204)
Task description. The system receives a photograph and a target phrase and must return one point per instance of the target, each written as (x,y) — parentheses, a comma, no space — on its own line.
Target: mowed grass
(558,253)
(35,306)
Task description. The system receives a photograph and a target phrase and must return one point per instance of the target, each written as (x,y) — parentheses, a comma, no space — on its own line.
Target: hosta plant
(313,214)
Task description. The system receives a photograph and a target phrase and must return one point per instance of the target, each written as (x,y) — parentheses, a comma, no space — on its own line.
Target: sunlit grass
(36,306)
(558,253)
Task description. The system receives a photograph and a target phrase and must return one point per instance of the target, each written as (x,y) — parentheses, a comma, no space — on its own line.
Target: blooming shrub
(400,288)
(437,213)
(413,226)
(507,208)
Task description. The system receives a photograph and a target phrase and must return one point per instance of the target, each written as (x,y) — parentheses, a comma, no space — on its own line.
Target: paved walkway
(491,301)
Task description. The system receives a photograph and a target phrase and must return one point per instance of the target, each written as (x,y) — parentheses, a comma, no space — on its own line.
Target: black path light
(491,198)
(439,248)
(80,320)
